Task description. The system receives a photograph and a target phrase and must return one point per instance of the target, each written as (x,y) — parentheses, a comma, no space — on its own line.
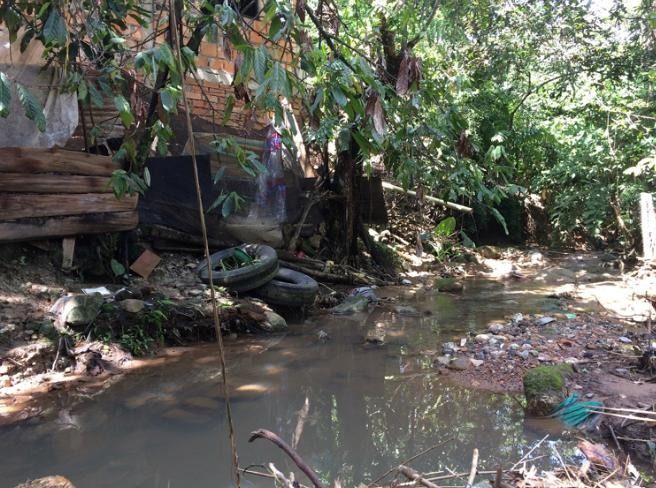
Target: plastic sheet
(271,194)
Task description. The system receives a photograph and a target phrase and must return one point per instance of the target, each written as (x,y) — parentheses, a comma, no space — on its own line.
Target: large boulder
(47,482)
(76,310)
(544,388)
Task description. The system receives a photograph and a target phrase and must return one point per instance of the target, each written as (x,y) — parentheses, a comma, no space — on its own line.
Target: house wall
(209,88)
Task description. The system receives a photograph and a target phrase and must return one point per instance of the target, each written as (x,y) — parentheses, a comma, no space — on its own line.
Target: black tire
(289,288)
(246,278)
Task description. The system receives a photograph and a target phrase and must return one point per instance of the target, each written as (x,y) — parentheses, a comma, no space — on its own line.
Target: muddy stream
(368,408)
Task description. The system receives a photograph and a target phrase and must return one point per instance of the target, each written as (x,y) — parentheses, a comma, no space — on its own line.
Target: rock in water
(544,388)
(273,322)
(448,285)
(406,310)
(460,364)
(376,335)
(351,304)
(47,482)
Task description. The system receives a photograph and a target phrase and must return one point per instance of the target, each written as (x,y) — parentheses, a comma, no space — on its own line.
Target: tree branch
(302,465)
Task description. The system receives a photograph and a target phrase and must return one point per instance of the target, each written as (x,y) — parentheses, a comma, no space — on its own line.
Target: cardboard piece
(145,264)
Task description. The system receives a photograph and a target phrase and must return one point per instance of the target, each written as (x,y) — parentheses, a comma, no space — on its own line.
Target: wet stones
(376,335)
(460,364)
(351,305)
(273,322)
(406,310)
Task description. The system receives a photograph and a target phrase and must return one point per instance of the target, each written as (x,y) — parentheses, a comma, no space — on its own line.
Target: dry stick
(612,433)
(525,456)
(472,471)
(302,465)
(300,423)
(626,417)
(215,310)
(413,475)
(299,226)
(409,460)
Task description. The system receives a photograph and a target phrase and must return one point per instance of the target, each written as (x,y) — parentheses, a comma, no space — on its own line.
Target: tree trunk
(342,216)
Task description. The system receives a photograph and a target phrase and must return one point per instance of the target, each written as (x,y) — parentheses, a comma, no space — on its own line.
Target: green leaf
(339,96)
(260,63)
(124,111)
(32,107)
(96,97)
(117,268)
(5,95)
(276,28)
(228,206)
(219,174)
(219,201)
(54,30)
(169,97)
(500,219)
(245,68)
(227,111)
(165,56)
(82,90)
(446,227)
(277,81)
(466,241)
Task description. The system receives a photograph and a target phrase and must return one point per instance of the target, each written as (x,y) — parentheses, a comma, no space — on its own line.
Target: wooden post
(648,226)
(68,248)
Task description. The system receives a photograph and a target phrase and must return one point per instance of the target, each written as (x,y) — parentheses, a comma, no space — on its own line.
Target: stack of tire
(264,278)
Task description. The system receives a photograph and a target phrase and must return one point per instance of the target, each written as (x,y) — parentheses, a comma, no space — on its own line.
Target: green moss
(545,379)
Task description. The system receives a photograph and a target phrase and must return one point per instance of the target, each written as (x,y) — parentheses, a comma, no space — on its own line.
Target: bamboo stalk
(439,201)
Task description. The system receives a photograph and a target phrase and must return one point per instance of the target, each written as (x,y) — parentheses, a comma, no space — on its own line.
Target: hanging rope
(215,310)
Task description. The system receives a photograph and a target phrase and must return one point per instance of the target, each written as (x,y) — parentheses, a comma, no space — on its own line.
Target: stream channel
(369,408)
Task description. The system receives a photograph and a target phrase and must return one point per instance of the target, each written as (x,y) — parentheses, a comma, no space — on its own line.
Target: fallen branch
(439,201)
(413,475)
(302,465)
(347,279)
(472,471)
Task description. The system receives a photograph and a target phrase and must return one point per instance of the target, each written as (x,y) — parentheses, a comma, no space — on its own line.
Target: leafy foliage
(478,102)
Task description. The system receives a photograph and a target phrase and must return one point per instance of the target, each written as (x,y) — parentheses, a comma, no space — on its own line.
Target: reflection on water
(369,408)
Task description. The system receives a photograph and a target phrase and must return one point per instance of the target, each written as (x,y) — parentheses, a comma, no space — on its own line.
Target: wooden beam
(22,205)
(68,251)
(68,226)
(53,183)
(439,201)
(30,160)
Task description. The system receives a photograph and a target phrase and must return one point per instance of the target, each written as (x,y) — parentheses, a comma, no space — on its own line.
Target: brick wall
(209,88)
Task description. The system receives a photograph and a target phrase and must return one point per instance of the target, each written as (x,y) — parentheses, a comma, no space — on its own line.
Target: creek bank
(53,336)
(606,360)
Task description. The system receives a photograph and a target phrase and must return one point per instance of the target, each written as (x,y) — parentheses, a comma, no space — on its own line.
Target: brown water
(369,408)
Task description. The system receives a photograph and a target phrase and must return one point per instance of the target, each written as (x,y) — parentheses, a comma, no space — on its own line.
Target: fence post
(648,226)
